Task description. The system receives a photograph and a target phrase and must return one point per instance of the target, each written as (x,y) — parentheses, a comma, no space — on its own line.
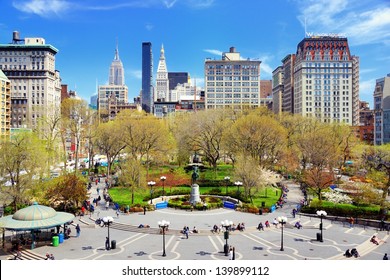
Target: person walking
(385,257)
(234,253)
(230,253)
(78,230)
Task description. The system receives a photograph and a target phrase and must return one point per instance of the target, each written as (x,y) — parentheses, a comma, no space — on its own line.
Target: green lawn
(122,196)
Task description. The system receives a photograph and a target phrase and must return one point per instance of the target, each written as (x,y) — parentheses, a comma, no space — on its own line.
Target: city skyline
(86,35)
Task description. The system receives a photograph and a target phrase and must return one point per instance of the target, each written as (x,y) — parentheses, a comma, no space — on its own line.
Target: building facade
(325,81)
(147,95)
(116,88)
(30,66)
(277,89)
(232,82)
(116,73)
(288,86)
(5,106)
(176,78)
(382,111)
(365,130)
(162,81)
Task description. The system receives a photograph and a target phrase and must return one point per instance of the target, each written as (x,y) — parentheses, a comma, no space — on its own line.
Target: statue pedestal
(195,196)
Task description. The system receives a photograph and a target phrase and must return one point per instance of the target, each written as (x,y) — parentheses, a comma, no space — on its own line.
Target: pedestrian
(230,253)
(351,222)
(234,253)
(18,255)
(107,244)
(294,211)
(382,224)
(144,210)
(97,189)
(187,231)
(78,230)
(385,257)
(107,204)
(49,257)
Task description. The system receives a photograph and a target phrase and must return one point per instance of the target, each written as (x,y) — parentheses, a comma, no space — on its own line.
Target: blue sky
(86,31)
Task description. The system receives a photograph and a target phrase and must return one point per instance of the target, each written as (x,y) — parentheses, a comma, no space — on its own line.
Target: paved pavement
(251,244)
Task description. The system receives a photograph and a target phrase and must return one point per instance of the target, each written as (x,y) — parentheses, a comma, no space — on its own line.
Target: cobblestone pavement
(147,244)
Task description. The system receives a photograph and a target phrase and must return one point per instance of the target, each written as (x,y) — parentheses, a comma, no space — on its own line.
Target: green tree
(20,159)
(259,136)
(132,175)
(68,191)
(109,141)
(377,162)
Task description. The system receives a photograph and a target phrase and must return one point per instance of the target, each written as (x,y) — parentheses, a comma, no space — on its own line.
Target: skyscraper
(116,75)
(382,111)
(116,91)
(326,80)
(29,64)
(147,78)
(277,89)
(176,78)
(5,106)
(162,82)
(232,82)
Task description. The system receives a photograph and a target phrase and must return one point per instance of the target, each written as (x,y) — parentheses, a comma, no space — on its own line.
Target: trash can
(113,244)
(61,237)
(55,241)
(318,236)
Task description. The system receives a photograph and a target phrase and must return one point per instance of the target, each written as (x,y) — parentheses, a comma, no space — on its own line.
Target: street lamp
(163,178)
(282,220)
(163,225)
(238,184)
(151,184)
(226,224)
(227,181)
(322,214)
(107,221)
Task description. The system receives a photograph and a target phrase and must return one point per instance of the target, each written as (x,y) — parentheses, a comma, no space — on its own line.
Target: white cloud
(135,74)
(362,23)
(149,26)
(42,8)
(169,4)
(215,52)
(366,88)
(47,8)
(200,3)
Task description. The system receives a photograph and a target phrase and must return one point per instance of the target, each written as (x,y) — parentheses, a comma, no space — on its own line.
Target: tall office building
(232,82)
(116,74)
(288,83)
(29,64)
(326,82)
(176,78)
(115,90)
(277,89)
(147,78)
(382,111)
(5,106)
(162,82)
